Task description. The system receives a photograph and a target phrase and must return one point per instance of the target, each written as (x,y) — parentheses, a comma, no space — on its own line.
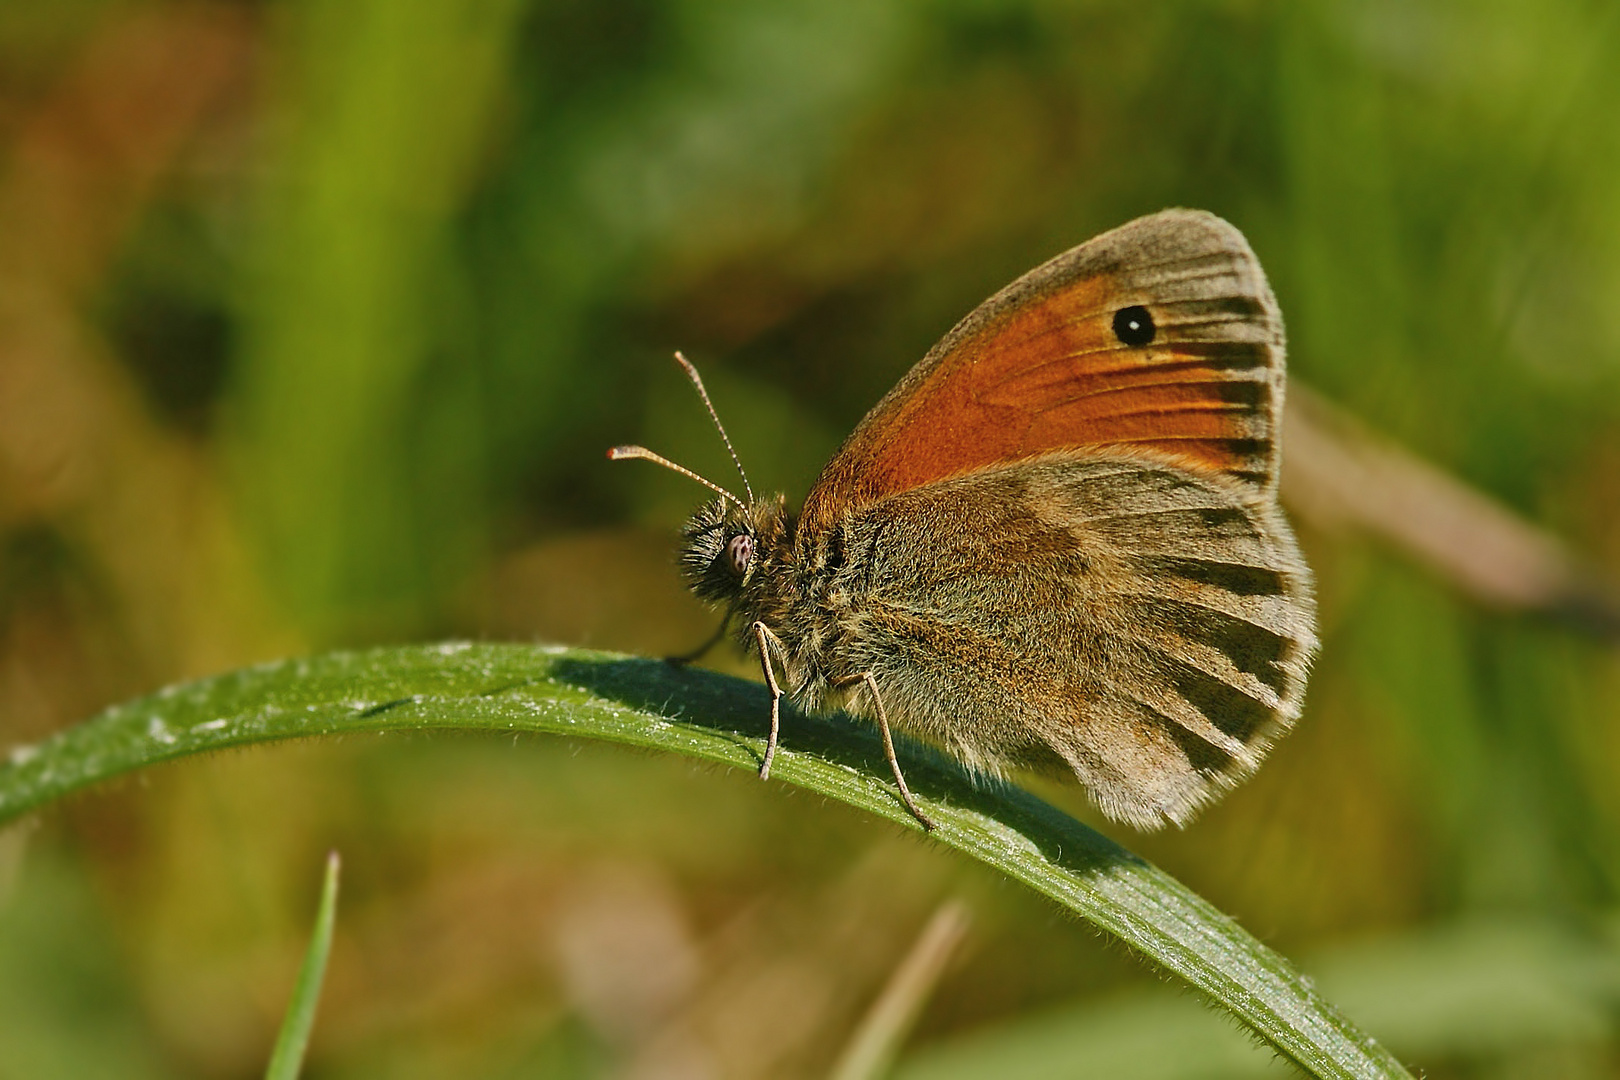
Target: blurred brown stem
(1339,474)
(877,1038)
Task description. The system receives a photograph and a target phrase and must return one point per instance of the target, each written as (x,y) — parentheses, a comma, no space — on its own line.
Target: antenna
(622,453)
(691,373)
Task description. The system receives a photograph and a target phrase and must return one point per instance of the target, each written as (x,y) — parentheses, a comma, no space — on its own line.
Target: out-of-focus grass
(68,1007)
(354,394)
(315,335)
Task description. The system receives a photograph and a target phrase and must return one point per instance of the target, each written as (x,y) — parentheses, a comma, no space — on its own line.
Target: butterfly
(1056,543)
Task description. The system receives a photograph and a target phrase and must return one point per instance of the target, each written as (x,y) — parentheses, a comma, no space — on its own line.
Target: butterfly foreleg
(870,681)
(682,659)
(766,641)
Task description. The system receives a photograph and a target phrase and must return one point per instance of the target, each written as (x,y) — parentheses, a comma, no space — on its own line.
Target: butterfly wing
(1139,623)
(1160,337)
(1065,514)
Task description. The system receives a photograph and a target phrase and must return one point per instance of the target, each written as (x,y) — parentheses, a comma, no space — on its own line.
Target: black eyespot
(739,553)
(1133,325)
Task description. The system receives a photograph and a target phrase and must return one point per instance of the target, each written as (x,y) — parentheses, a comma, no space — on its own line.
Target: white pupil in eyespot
(739,552)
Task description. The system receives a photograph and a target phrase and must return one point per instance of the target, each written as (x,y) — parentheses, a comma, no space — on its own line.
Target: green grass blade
(288,1057)
(646,703)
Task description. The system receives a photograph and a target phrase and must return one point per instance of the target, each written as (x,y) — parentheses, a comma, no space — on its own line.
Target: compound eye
(739,553)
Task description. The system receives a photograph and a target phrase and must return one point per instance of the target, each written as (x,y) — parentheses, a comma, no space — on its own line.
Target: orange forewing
(1038,367)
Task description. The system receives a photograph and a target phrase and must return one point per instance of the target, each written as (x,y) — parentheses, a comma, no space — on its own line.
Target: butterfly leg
(682,659)
(888,747)
(766,640)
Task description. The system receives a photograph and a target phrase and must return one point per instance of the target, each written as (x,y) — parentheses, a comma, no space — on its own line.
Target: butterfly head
(730,543)
(729,548)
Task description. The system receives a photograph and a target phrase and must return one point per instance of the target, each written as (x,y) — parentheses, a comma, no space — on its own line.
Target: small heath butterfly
(1056,543)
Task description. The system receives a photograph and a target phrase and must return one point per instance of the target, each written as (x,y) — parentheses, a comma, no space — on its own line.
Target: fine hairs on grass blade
(648,704)
(288,1056)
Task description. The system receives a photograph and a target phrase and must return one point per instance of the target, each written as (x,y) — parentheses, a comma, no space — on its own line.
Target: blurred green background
(317,316)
